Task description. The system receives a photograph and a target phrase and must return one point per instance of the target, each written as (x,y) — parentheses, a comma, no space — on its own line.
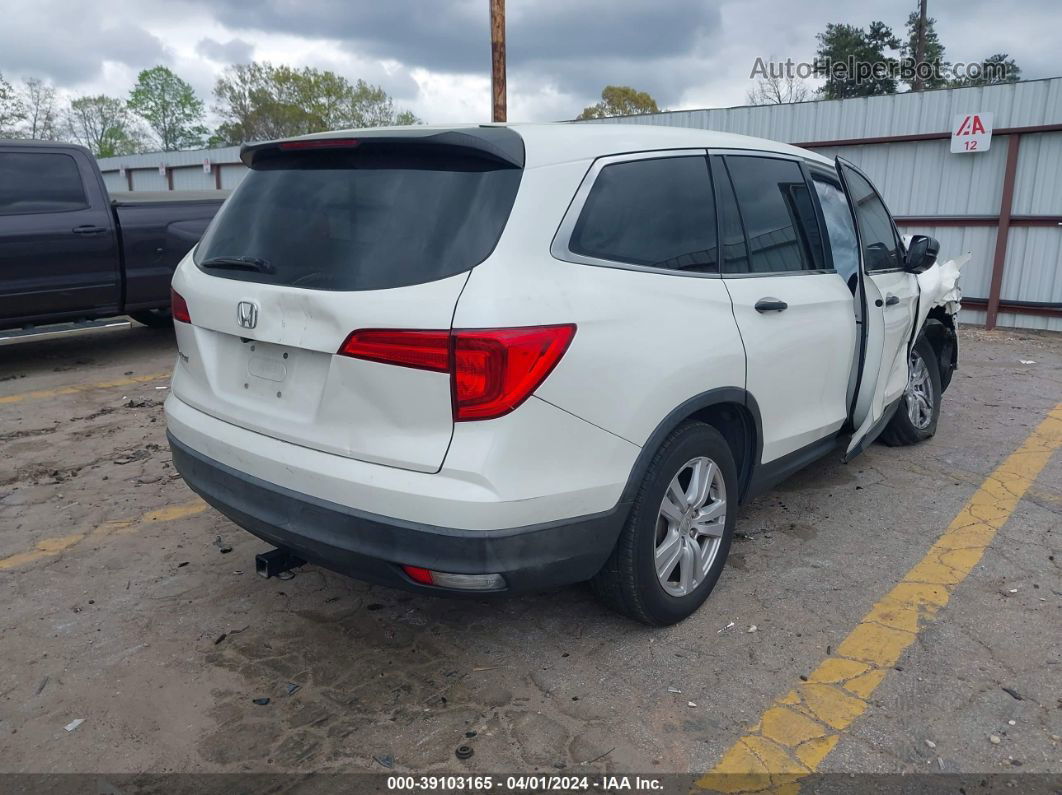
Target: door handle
(892,300)
(88,229)
(771,305)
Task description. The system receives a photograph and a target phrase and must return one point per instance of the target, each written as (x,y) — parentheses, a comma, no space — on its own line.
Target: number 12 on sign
(971,132)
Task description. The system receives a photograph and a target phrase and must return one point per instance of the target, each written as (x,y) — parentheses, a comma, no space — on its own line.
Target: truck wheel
(916,418)
(677,537)
(153,318)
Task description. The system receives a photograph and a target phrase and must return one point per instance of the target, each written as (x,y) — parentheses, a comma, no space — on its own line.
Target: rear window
(656,212)
(361,219)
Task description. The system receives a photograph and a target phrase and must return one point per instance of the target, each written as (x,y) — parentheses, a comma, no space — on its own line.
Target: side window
(840,228)
(735,252)
(880,246)
(657,212)
(778,213)
(39,182)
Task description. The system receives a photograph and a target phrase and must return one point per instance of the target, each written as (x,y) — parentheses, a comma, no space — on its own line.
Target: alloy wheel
(918,396)
(689,527)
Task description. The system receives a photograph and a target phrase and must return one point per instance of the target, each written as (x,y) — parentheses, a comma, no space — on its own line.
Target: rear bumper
(372,547)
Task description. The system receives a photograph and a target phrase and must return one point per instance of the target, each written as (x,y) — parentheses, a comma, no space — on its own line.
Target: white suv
(498,358)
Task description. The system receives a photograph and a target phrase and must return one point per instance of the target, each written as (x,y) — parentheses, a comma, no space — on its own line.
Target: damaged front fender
(938,305)
(938,286)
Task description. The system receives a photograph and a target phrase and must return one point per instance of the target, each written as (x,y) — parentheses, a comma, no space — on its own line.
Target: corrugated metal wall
(918,178)
(186,170)
(1035,102)
(923,178)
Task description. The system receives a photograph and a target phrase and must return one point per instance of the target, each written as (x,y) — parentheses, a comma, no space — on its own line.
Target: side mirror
(921,253)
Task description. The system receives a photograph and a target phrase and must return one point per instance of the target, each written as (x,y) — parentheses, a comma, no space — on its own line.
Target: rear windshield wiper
(238,263)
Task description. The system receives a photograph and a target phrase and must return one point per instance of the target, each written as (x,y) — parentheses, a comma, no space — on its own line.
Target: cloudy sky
(433,56)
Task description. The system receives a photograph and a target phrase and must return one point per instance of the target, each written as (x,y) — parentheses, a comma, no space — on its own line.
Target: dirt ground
(120,605)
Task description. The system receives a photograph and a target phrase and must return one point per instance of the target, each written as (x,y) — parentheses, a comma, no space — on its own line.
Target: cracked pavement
(122,610)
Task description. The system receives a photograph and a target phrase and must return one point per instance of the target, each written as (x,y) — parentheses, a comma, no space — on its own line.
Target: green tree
(259,101)
(104,125)
(857,61)
(41,122)
(12,111)
(620,101)
(933,55)
(998,68)
(170,108)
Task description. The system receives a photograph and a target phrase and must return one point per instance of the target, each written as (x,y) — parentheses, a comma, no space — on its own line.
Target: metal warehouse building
(1003,204)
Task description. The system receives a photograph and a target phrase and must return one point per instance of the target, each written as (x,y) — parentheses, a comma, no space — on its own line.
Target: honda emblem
(247,314)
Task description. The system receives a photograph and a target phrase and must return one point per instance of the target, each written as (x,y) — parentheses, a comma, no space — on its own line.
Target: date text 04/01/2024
(535,783)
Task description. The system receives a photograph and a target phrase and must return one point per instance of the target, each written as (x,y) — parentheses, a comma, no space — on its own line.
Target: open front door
(890,306)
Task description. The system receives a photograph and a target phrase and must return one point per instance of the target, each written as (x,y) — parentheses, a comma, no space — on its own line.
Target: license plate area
(267,368)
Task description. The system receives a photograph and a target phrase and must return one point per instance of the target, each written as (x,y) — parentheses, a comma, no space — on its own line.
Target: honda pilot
(488,359)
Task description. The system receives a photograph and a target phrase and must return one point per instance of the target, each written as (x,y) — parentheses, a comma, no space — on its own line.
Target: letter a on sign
(971,132)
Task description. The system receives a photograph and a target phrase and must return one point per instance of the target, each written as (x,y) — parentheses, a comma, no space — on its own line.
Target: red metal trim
(876,139)
(216,168)
(1006,204)
(936,136)
(946,220)
(169,178)
(976,220)
(129,179)
(1017,309)
(1036,220)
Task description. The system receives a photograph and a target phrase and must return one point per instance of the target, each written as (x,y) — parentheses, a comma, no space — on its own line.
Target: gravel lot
(120,605)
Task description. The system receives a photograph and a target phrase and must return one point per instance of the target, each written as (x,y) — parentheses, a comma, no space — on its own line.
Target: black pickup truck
(71,251)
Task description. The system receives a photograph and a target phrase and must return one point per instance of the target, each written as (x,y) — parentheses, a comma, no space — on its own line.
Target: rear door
(794,311)
(891,307)
(58,250)
(313,245)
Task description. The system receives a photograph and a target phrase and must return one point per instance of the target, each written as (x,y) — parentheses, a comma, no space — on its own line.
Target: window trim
(716,163)
(560,246)
(86,205)
(830,176)
(801,163)
(901,249)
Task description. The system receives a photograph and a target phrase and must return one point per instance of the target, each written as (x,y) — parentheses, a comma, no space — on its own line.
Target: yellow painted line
(50,547)
(799,730)
(73,389)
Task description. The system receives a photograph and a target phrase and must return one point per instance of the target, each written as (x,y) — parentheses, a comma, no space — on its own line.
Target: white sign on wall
(206,165)
(162,171)
(971,132)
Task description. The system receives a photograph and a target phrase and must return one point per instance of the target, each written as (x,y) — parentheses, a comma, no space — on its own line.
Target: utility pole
(920,46)
(497,59)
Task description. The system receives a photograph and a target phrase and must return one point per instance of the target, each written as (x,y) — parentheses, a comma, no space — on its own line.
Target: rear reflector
(179,307)
(417,574)
(492,371)
(464,582)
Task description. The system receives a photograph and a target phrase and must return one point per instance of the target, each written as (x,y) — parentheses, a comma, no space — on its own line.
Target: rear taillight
(495,370)
(492,371)
(179,307)
(424,350)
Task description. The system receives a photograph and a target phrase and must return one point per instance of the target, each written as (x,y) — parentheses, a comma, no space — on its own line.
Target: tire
(913,421)
(700,538)
(153,318)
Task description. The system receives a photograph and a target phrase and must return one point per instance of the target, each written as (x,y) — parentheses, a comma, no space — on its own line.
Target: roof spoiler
(495,143)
